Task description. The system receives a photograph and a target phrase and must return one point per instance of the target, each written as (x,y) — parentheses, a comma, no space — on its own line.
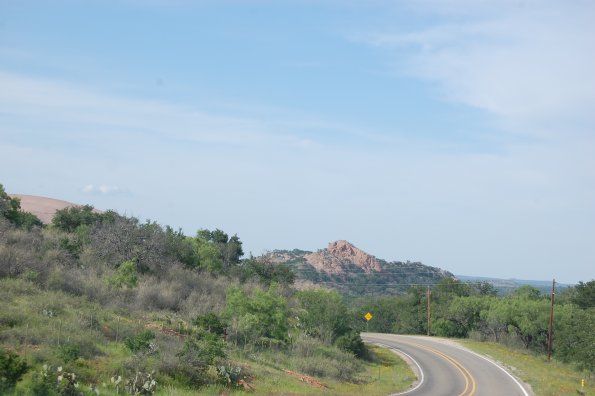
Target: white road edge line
(501,368)
(421,372)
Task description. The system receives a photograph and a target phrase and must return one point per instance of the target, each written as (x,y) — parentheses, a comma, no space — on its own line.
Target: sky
(456,133)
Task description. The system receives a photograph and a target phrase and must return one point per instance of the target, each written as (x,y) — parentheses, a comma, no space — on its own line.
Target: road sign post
(368,317)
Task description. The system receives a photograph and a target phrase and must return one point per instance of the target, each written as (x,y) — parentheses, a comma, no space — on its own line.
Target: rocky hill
(344,267)
(43,207)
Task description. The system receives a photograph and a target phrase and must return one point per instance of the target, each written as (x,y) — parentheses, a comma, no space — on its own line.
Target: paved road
(447,369)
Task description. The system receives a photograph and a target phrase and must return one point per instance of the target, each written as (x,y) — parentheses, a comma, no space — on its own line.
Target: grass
(386,374)
(546,378)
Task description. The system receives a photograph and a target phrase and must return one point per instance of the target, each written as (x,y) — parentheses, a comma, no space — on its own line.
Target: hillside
(350,270)
(43,207)
(101,303)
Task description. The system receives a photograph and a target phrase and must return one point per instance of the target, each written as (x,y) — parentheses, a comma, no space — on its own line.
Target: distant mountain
(43,207)
(350,270)
(505,286)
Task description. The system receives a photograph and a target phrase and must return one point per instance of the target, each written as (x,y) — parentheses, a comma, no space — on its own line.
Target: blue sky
(456,133)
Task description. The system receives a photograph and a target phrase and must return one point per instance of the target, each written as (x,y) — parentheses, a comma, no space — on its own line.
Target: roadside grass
(386,373)
(546,378)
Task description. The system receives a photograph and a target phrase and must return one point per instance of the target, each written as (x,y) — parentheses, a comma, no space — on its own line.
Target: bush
(202,350)
(210,322)
(261,314)
(140,342)
(352,342)
(125,275)
(12,368)
(69,352)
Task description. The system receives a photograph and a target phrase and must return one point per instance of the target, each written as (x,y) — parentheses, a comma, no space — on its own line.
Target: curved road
(445,368)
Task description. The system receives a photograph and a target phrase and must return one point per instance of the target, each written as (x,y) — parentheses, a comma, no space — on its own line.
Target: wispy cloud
(529,64)
(102,189)
(79,109)
(64,102)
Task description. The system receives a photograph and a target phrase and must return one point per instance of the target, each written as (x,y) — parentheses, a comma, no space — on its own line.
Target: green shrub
(140,342)
(12,368)
(352,342)
(201,351)
(210,322)
(125,275)
(261,314)
(69,352)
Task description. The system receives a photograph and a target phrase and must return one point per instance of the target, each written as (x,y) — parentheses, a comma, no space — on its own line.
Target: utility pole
(549,340)
(429,310)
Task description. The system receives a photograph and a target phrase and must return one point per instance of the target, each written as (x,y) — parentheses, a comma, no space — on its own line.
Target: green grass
(546,378)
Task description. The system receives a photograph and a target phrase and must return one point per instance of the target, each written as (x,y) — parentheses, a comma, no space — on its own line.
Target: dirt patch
(307,379)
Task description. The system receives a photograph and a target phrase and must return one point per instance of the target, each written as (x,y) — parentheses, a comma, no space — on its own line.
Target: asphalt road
(447,369)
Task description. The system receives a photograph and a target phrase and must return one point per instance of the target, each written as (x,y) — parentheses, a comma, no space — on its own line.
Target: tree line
(519,319)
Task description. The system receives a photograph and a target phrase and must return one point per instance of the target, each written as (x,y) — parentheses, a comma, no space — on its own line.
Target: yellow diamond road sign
(368,316)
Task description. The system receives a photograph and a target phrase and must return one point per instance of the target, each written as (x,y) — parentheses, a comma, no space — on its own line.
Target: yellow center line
(464,372)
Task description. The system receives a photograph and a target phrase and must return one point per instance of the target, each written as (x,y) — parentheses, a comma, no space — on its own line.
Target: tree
(528,292)
(463,314)
(209,256)
(584,294)
(181,247)
(68,219)
(262,314)
(10,208)
(265,271)
(322,314)
(230,249)
(529,320)
(574,339)
(383,308)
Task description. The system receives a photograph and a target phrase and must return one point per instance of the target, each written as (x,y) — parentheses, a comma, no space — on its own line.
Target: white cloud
(101,189)
(63,102)
(527,65)
(89,113)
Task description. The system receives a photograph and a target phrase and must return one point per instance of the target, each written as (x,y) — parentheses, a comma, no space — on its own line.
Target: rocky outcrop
(338,255)
(347,252)
(350,270)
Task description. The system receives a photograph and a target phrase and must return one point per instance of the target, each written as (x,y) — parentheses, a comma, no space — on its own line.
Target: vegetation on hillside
(394,278)
(103,302)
